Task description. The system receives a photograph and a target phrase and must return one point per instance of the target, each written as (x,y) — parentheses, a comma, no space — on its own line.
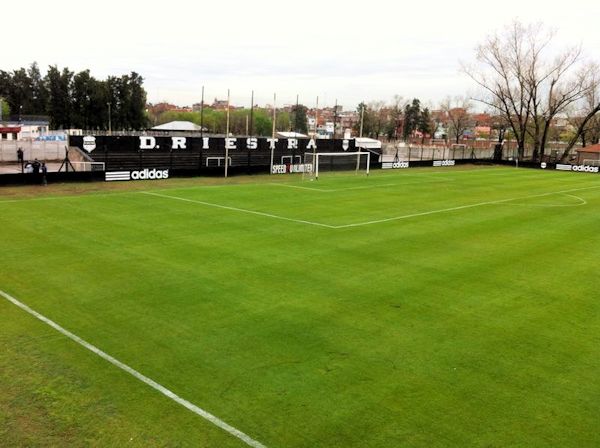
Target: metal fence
(417,152)
(420,152)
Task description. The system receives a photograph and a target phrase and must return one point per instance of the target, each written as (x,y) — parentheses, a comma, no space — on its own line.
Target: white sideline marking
(461,207)
(163,390)
(242,210)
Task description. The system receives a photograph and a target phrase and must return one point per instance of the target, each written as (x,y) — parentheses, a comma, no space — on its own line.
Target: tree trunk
(544,138)
(580,130)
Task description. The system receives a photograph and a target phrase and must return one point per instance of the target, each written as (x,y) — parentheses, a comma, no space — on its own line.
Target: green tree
(368,120)
(4,109)
(283,121)
(59,84)
(39,91)
(136,115)
(263,123)
(426,122)
(412,117)
(298,119)
(81,100)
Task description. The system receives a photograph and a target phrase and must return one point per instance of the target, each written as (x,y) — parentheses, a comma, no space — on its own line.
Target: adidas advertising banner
(444,162)
(146,174)
(394,165)
(392,162)
(576,168)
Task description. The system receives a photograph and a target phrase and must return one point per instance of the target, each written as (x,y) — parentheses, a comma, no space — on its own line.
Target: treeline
(75,100)
(397,120)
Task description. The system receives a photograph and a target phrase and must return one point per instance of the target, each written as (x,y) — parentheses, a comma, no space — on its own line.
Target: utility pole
(362,118)
(251,115)
(273,132)
(296,116)
(335,118)
(317,119)
(109,120)
(227,136)
(202,114)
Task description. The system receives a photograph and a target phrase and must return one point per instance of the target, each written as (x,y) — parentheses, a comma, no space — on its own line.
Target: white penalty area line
(332,190)
(153,384)
(377,221)
(241,210)
(462,207)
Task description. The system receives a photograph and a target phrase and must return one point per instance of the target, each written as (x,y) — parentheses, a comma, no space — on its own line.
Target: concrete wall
(32,150)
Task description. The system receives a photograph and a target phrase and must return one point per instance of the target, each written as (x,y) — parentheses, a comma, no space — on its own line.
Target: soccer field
(413,308)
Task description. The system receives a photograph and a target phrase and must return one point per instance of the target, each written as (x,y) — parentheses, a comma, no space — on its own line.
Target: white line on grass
(580,202)
(163,390)
(331,190)
(461,207)
(377,221)
(242,210)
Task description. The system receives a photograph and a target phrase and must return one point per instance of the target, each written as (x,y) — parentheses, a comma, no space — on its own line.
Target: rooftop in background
(186,126)
(26,121)
(591,148)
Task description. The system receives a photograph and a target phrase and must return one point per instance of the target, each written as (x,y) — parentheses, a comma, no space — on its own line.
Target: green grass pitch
(416,308)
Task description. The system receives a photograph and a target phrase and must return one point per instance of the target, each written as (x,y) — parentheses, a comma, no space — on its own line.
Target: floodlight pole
(202,114)
(252,115)
(314,146)
(296,116)
(273,131)
(316,118)
(109,120)
(227,136)
(362,117)
(335,118)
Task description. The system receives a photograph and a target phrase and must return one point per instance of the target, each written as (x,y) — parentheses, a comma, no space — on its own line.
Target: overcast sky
(347,50)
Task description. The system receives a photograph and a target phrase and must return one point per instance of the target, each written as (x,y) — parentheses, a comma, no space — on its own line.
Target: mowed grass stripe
(143,378)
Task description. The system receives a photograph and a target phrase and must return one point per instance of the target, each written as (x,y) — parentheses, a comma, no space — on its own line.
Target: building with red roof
(588,153)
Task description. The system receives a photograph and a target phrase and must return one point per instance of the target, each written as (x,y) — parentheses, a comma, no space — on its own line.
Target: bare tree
(396,116)
(379,112)
(529,89)
(457,110)
(585,118)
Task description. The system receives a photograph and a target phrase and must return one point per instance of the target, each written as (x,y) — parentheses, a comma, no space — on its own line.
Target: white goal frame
(358,155)
(591,162)
(88,166)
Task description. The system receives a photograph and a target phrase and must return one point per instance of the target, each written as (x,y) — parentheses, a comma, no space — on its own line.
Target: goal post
(349,161)
(591,162)
(88,166)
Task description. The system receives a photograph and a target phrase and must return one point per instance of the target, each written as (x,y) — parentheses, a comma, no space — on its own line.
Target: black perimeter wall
(202,155)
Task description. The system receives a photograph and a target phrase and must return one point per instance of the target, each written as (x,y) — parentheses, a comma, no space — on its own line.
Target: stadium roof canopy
(291,135)
(178,126)
(367,143)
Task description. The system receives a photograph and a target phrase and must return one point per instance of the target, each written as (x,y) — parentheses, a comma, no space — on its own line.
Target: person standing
(44,169)
(20,157)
